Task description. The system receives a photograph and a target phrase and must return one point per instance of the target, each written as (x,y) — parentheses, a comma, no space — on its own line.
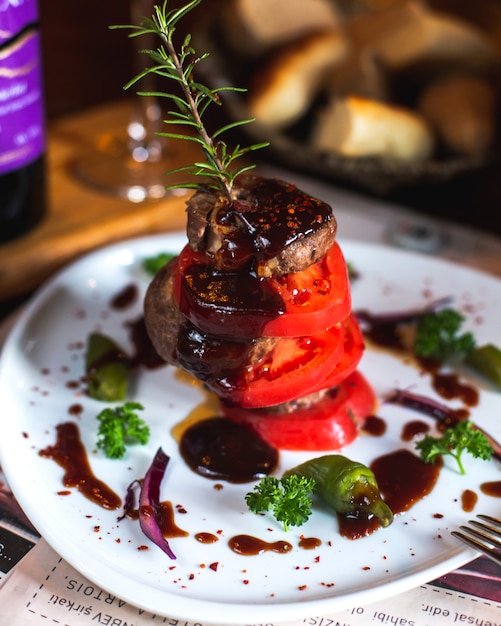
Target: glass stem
(146,118)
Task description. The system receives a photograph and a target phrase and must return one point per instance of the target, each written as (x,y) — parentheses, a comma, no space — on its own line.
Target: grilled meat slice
(180,343)
(268,224)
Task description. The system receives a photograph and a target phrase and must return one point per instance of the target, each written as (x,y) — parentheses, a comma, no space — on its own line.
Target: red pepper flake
(25,435)
(214,566)
(191,576)
(141,548)
(64,493)
(246,582)
(118,540)
(366,568)
(97,529)
(218,487)
(317,559)
(302,587)
(180,509)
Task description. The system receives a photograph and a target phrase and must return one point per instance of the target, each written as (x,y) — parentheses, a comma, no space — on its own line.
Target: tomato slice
(291,369)
(314,299)
(330,424)
(240,304)
(353,350)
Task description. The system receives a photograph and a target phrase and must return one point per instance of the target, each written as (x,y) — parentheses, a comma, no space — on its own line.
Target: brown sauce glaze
(250,546)
(404,479)
(206,537)
(468,500)
(492,488)
(449,387)
(164,516)
(273,215)
(220,449)
(70,454)
(145,354)
(125,298)
(412,429)
(309,543)
(374,426)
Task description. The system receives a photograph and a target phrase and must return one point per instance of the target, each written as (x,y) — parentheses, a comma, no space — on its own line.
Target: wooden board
(79,218)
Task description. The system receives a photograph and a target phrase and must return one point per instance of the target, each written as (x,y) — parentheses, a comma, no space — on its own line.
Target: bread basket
(292,147)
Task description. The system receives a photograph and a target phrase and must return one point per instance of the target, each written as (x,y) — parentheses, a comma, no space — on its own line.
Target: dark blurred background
(87,64)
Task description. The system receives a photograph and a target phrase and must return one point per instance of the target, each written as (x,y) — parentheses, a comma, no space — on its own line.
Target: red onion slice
(149,502)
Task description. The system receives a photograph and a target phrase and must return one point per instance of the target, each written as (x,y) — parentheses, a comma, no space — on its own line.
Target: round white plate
(210,582)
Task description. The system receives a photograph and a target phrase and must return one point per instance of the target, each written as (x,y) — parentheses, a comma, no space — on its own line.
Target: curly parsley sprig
(288,498)
(193,102)
(119,427)
(462,437)
(439,336)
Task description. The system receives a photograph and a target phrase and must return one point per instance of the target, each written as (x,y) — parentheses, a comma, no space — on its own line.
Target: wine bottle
(22,117)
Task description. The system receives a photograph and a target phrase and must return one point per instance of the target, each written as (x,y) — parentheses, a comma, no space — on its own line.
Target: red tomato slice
(291,369)
(353,350)
(314,299)
(240,304)
(330,424)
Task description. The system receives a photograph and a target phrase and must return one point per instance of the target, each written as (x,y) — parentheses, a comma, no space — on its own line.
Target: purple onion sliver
(437,411)
(129,499)
(149,502)
(402,317)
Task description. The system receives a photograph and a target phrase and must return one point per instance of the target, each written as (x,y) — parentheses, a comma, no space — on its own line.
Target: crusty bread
(424,35)
(284,89)
(253,27)
(353,126)
(462,111)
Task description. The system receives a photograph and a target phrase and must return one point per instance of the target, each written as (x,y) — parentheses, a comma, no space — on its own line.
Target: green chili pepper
(348,486)
(486,360)
(106,368)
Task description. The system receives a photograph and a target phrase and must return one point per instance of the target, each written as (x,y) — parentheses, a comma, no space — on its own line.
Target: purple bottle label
(22,136)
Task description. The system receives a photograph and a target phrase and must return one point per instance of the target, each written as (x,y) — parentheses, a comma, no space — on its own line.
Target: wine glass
(133,163)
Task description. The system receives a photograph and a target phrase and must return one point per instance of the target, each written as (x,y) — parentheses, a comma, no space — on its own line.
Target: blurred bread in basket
(254,27)
(408,83)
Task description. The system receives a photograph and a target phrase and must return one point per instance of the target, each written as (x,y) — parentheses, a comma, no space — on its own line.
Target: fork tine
(489,529)
(489,518)
(485,543)
(482,536)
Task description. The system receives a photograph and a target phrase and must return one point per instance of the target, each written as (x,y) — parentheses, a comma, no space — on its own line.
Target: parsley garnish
(463,437)
(288,498)
(438,336)
(153,264)
(121,426)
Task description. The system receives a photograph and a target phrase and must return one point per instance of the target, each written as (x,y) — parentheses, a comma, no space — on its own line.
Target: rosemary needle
(191,100)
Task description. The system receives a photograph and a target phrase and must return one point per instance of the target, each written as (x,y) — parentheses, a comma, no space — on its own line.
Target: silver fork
(482,536)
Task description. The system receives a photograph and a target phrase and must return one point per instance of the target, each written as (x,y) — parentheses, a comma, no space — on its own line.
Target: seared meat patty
(268,228)
(269,223)
(180,343)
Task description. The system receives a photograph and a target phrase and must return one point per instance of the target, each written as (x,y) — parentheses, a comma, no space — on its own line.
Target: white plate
(44,352)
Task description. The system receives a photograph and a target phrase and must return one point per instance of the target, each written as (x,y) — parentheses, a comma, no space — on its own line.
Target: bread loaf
(426,36)
(287,85)
(354,127)
(253,27)
(462,111)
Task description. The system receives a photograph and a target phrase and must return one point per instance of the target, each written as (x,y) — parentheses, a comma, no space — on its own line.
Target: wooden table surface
(80,219)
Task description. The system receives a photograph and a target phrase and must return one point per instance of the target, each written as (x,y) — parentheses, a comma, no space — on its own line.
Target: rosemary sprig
(193,102)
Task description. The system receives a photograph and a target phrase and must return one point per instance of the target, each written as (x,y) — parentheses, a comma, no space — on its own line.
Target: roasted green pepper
(486,361)
(106,369)
(348,486)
